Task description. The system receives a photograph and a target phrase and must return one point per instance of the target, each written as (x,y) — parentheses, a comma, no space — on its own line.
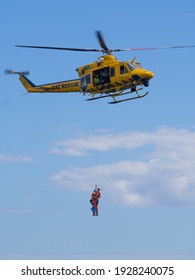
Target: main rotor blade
(154,48)
(103,45)
(60,49)
(101,41)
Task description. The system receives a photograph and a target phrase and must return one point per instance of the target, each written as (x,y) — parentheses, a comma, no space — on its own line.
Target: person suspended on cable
(95,200)
(95,194)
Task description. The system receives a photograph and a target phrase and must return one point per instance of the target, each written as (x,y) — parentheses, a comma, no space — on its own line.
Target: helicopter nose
(139,74)
(148,75)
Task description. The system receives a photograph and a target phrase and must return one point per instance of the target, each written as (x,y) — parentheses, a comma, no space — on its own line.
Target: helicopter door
(124,74)
(101,76)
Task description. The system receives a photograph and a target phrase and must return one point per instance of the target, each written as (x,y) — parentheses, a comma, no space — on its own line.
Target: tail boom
(65,86)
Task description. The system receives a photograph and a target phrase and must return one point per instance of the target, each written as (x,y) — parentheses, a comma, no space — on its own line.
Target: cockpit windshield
(132,66)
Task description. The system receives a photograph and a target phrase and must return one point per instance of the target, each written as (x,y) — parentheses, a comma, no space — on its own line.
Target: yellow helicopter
(105,77)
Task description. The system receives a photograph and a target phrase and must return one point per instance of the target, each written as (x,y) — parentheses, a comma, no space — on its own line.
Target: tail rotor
(21,73)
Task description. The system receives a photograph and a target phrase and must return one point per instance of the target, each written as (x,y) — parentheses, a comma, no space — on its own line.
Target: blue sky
(55,148)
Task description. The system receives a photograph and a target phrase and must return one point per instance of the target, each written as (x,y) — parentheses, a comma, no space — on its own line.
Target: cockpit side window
(123,69)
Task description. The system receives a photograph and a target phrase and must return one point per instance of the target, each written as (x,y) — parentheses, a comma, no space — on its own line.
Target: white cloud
(164,138)
(164,176)
(14,158)
(82,145)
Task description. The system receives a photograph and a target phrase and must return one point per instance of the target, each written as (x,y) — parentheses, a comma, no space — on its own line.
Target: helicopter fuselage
(106,75)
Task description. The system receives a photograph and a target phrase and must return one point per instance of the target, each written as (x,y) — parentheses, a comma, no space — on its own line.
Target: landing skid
(107,95)
(114,95)
(128,99)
